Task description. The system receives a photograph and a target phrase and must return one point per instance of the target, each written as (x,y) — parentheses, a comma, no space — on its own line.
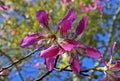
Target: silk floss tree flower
(110,68)
(59,42)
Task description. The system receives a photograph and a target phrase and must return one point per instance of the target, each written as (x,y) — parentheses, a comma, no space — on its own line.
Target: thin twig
(17,68)
(63,69)
(44,75)
(28,55)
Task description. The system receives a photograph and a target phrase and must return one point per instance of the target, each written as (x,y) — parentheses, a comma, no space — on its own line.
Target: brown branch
(28,55)
(44,75)
(17,68)
(63,69)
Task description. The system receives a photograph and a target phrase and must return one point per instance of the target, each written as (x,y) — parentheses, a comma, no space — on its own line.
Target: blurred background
(19,19)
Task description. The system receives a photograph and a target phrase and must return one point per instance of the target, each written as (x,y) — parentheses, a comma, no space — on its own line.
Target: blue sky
(32,72)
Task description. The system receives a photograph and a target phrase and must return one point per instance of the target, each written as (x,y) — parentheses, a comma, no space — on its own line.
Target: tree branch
(28,55)
(17,68)
(111,33)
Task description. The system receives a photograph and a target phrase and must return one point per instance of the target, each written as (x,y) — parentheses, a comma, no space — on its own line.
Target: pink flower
(3,7)
(43,19)
(30,39)
(100,7)
(111,67)
(55,45)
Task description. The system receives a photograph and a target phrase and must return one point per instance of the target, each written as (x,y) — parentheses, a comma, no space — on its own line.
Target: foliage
(20,19)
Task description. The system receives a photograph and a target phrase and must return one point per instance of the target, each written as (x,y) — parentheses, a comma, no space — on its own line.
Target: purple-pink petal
(117,78)
(82,25)
(116,66)
(3,7)
(100,8)
(65,23)
(49,62)
(111,50)
(91,52)
(30,39)
(69,44)
(65,27)
(74,64)
(70,16)
(50,52)
(42,17)
(90,8)
(105,78)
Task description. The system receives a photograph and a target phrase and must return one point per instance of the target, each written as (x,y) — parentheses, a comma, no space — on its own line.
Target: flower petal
(49,62)
(117,79)
(70,16)
(69,44)
(116,66)
(100,8)
(74,64)
(3,7)
(42,17)
(65,28)
(30,39)
(112,48)
(105,78)
(65,23)
(91,52)
(111,51)
(50,52)
(81,26)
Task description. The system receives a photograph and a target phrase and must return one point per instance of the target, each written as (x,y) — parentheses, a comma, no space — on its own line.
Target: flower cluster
(67,2)
(92,6)
(110,68)
(58,42)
